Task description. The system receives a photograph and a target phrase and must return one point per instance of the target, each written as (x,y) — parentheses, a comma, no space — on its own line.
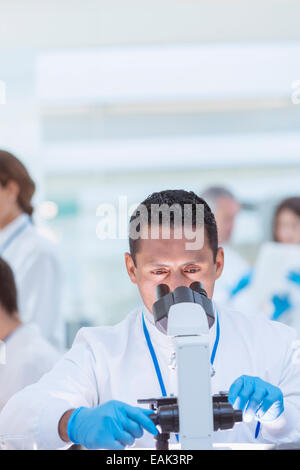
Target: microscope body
(188,326)
(186,315)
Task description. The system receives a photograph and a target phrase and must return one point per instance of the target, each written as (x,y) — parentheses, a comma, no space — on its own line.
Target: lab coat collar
(7,231)
(165,341)
(157,337)
(26,330)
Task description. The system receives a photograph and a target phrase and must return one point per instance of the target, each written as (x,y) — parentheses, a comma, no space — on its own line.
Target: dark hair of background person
(8,289)
(292,204)
(180,197)
(11,169)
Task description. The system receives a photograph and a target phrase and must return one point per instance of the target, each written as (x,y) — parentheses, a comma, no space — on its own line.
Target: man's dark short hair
(8,290)
(179,197)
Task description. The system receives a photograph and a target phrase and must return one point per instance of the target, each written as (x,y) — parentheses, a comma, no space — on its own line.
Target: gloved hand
(294,277)
(281,305)
(256,398)
(243,282)
(112,425)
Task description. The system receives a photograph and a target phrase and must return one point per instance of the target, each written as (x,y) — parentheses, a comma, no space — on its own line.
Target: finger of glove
(294,276)
(254,403)
(273,399)
(245,393)
(134,428)
(124,437)
(116,445)
(235,389)
(141,416)
(131,426)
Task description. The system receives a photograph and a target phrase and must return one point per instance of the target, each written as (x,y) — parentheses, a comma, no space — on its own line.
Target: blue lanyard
(14,236)
(155,361)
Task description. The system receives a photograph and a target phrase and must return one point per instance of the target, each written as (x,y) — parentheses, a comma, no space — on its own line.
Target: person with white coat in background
(273,287)
(286,230)
(32,257)
(90,396)
(25,355)
(236,270)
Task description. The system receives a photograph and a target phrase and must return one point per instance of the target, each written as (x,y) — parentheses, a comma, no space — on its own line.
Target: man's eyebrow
(162,265)
(156,263)
(194,261)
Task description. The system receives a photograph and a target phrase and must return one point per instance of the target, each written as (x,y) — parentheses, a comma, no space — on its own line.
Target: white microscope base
(219,446)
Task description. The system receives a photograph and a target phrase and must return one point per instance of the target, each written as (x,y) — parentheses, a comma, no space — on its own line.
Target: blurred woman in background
(286,225)
(31,256)
(275,272)
(286,229)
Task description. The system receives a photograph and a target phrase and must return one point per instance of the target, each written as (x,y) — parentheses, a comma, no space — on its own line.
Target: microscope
(186,314)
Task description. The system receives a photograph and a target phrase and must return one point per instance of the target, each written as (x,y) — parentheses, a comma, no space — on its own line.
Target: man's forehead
(168,260)
(171,231)
(161,250)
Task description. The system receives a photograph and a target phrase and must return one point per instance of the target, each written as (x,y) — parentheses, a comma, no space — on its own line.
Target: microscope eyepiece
(162,290)
(198,287)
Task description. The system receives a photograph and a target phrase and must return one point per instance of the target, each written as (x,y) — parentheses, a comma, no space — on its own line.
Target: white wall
(78,23)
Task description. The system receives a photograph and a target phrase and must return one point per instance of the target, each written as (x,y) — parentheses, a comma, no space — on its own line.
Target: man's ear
(219,262)
(130,267)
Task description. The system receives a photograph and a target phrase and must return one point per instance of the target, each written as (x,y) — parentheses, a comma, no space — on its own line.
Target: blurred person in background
(31,256)
(279,294)
(236,270)
(25,354)
(286,224)
(286,229)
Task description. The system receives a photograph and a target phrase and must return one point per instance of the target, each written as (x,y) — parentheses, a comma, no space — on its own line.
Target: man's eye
(158,272)
(192,270)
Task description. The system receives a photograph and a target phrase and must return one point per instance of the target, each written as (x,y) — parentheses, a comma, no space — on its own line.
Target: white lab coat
(274,262)
(114,363)
(38,277)
(26,357)
(235,268)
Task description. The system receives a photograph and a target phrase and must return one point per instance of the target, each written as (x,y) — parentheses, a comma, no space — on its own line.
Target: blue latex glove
(294,277)
(256,398)
(281,305)
(243,282)
(112,425)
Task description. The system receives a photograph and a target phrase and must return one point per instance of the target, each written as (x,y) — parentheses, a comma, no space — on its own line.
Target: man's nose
(177,280)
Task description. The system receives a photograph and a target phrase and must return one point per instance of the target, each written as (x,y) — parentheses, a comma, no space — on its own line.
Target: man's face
(225,214)
(167,261)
